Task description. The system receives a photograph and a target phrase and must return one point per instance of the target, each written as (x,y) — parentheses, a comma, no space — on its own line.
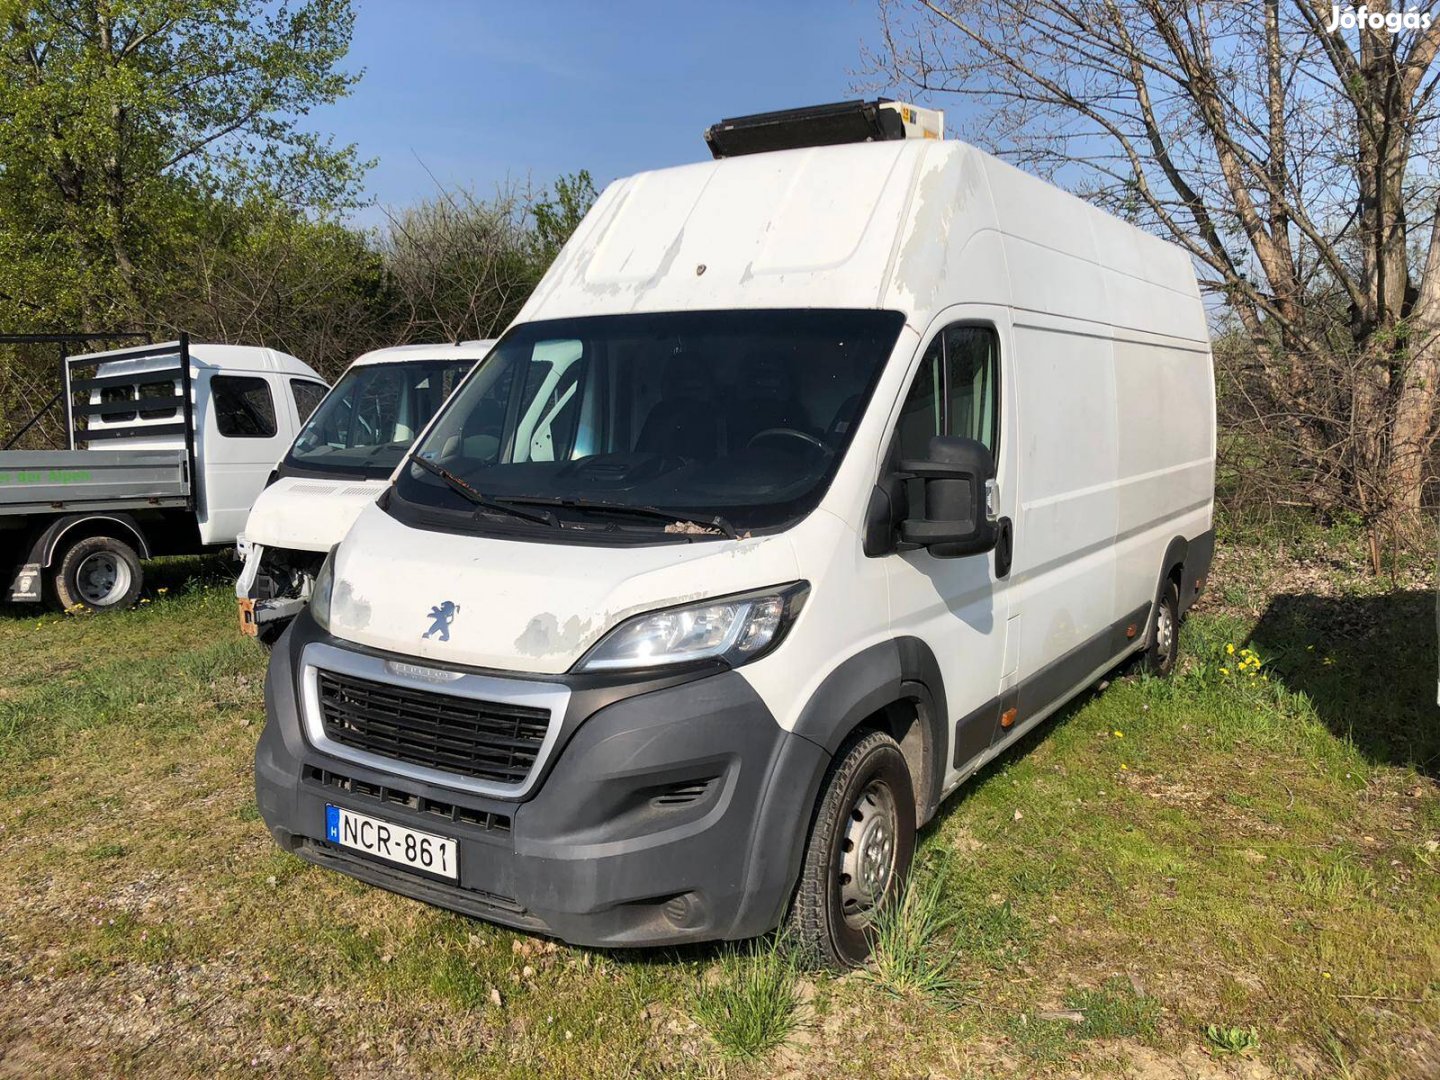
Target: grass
(748,1002)
(915,950)
(1244,852)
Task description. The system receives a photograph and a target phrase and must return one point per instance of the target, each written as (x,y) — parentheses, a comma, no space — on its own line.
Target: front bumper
(262,615)
(668,811)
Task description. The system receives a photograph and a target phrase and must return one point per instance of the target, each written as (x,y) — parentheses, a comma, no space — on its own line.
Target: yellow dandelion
(1229,650)
(1325,974)
(1224,671)
(1118,734)
(1124,767)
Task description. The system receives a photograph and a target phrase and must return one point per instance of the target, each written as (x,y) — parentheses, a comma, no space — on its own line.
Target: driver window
(971,354)
(955,392)
(373,423)
(921,416)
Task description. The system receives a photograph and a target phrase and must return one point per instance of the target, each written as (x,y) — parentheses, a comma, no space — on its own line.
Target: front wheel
(1164,647)
(858,853)
(98,573)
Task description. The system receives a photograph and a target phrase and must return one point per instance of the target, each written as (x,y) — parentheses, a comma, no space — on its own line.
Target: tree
(463,266)
(264,273)
(557,215)
(114,114)
(1289,156)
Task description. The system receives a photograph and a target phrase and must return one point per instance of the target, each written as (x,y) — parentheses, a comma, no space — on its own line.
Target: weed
(749,1003)
(1231,1040)
(911,955)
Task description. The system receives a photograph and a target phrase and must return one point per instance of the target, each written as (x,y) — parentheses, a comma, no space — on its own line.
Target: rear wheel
(98,573)
(858,853)
(1164,646)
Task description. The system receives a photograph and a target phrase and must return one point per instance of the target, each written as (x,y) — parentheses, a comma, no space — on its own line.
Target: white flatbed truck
(167,446)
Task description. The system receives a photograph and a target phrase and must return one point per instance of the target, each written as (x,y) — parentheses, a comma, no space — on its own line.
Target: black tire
(98,573)
(1164,646)
(826,929)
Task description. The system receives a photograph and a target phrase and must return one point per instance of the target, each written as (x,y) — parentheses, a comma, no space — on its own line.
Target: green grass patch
(1115,1010)
(915,949)
(749,1000)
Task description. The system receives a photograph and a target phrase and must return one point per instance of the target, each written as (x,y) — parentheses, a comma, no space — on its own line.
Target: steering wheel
(794,433)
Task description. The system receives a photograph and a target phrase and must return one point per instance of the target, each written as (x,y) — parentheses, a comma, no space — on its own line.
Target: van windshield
(740,416)
(372,416)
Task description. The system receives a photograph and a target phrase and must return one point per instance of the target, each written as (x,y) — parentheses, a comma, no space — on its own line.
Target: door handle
(1004,547)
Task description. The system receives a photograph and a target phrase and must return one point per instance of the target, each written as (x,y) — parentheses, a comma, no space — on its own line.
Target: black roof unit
(813,125)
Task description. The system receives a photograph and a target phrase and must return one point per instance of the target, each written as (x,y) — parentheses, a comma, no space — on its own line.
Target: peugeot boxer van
(808,480)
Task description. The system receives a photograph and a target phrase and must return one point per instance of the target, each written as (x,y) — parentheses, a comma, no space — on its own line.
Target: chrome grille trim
(318,656)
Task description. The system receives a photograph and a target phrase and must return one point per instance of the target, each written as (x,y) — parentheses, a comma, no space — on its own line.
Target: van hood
(303,514)
(523,606)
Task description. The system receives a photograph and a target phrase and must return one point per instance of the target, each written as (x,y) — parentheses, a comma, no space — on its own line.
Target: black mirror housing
(956,473)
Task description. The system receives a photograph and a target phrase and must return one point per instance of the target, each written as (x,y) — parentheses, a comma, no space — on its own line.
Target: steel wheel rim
(867,853)
(102,578)
(1164,630)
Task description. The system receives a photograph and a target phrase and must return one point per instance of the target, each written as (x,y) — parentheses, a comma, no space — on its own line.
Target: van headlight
(320,592)
(736,629)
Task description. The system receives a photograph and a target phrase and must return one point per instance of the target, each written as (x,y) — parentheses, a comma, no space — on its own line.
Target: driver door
(960,607)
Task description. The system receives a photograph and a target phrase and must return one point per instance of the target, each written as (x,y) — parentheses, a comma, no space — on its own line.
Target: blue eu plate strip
(332,824)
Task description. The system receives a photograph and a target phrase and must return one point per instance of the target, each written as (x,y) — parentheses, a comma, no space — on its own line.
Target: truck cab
(167,447)
(339,462)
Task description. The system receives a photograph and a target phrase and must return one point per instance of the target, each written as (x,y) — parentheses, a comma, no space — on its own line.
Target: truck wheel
(858,853)
(1165,633)
(98,573)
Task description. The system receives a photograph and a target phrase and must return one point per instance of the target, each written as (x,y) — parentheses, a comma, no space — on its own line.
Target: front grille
(488,740)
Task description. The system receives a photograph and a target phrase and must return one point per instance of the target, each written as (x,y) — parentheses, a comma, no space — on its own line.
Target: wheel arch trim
(902,671)
(43,550)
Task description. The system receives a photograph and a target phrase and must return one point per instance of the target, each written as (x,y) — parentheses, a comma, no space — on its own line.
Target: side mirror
(959,476)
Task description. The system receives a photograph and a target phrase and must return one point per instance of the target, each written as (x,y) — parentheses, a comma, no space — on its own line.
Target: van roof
(457,350)
(910,225)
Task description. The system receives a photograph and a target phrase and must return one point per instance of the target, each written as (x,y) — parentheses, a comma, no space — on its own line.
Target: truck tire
(1164,647)
(857,855)
(98,573)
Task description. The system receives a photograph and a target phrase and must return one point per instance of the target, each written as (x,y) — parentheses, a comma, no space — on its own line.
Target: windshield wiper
(481,500)
(714,523)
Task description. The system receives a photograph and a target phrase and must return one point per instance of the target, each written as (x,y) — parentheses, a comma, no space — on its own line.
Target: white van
(807,481)
(340,461)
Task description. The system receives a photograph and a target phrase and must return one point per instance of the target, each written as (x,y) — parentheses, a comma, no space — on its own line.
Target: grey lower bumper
(673,815)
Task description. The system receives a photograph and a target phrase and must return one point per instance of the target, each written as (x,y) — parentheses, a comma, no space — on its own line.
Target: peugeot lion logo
(441,616)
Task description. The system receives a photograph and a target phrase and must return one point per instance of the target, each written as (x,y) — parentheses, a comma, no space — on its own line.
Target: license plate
(391,842)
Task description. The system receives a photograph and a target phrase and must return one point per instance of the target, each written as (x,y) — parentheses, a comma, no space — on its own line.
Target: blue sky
(475,92)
